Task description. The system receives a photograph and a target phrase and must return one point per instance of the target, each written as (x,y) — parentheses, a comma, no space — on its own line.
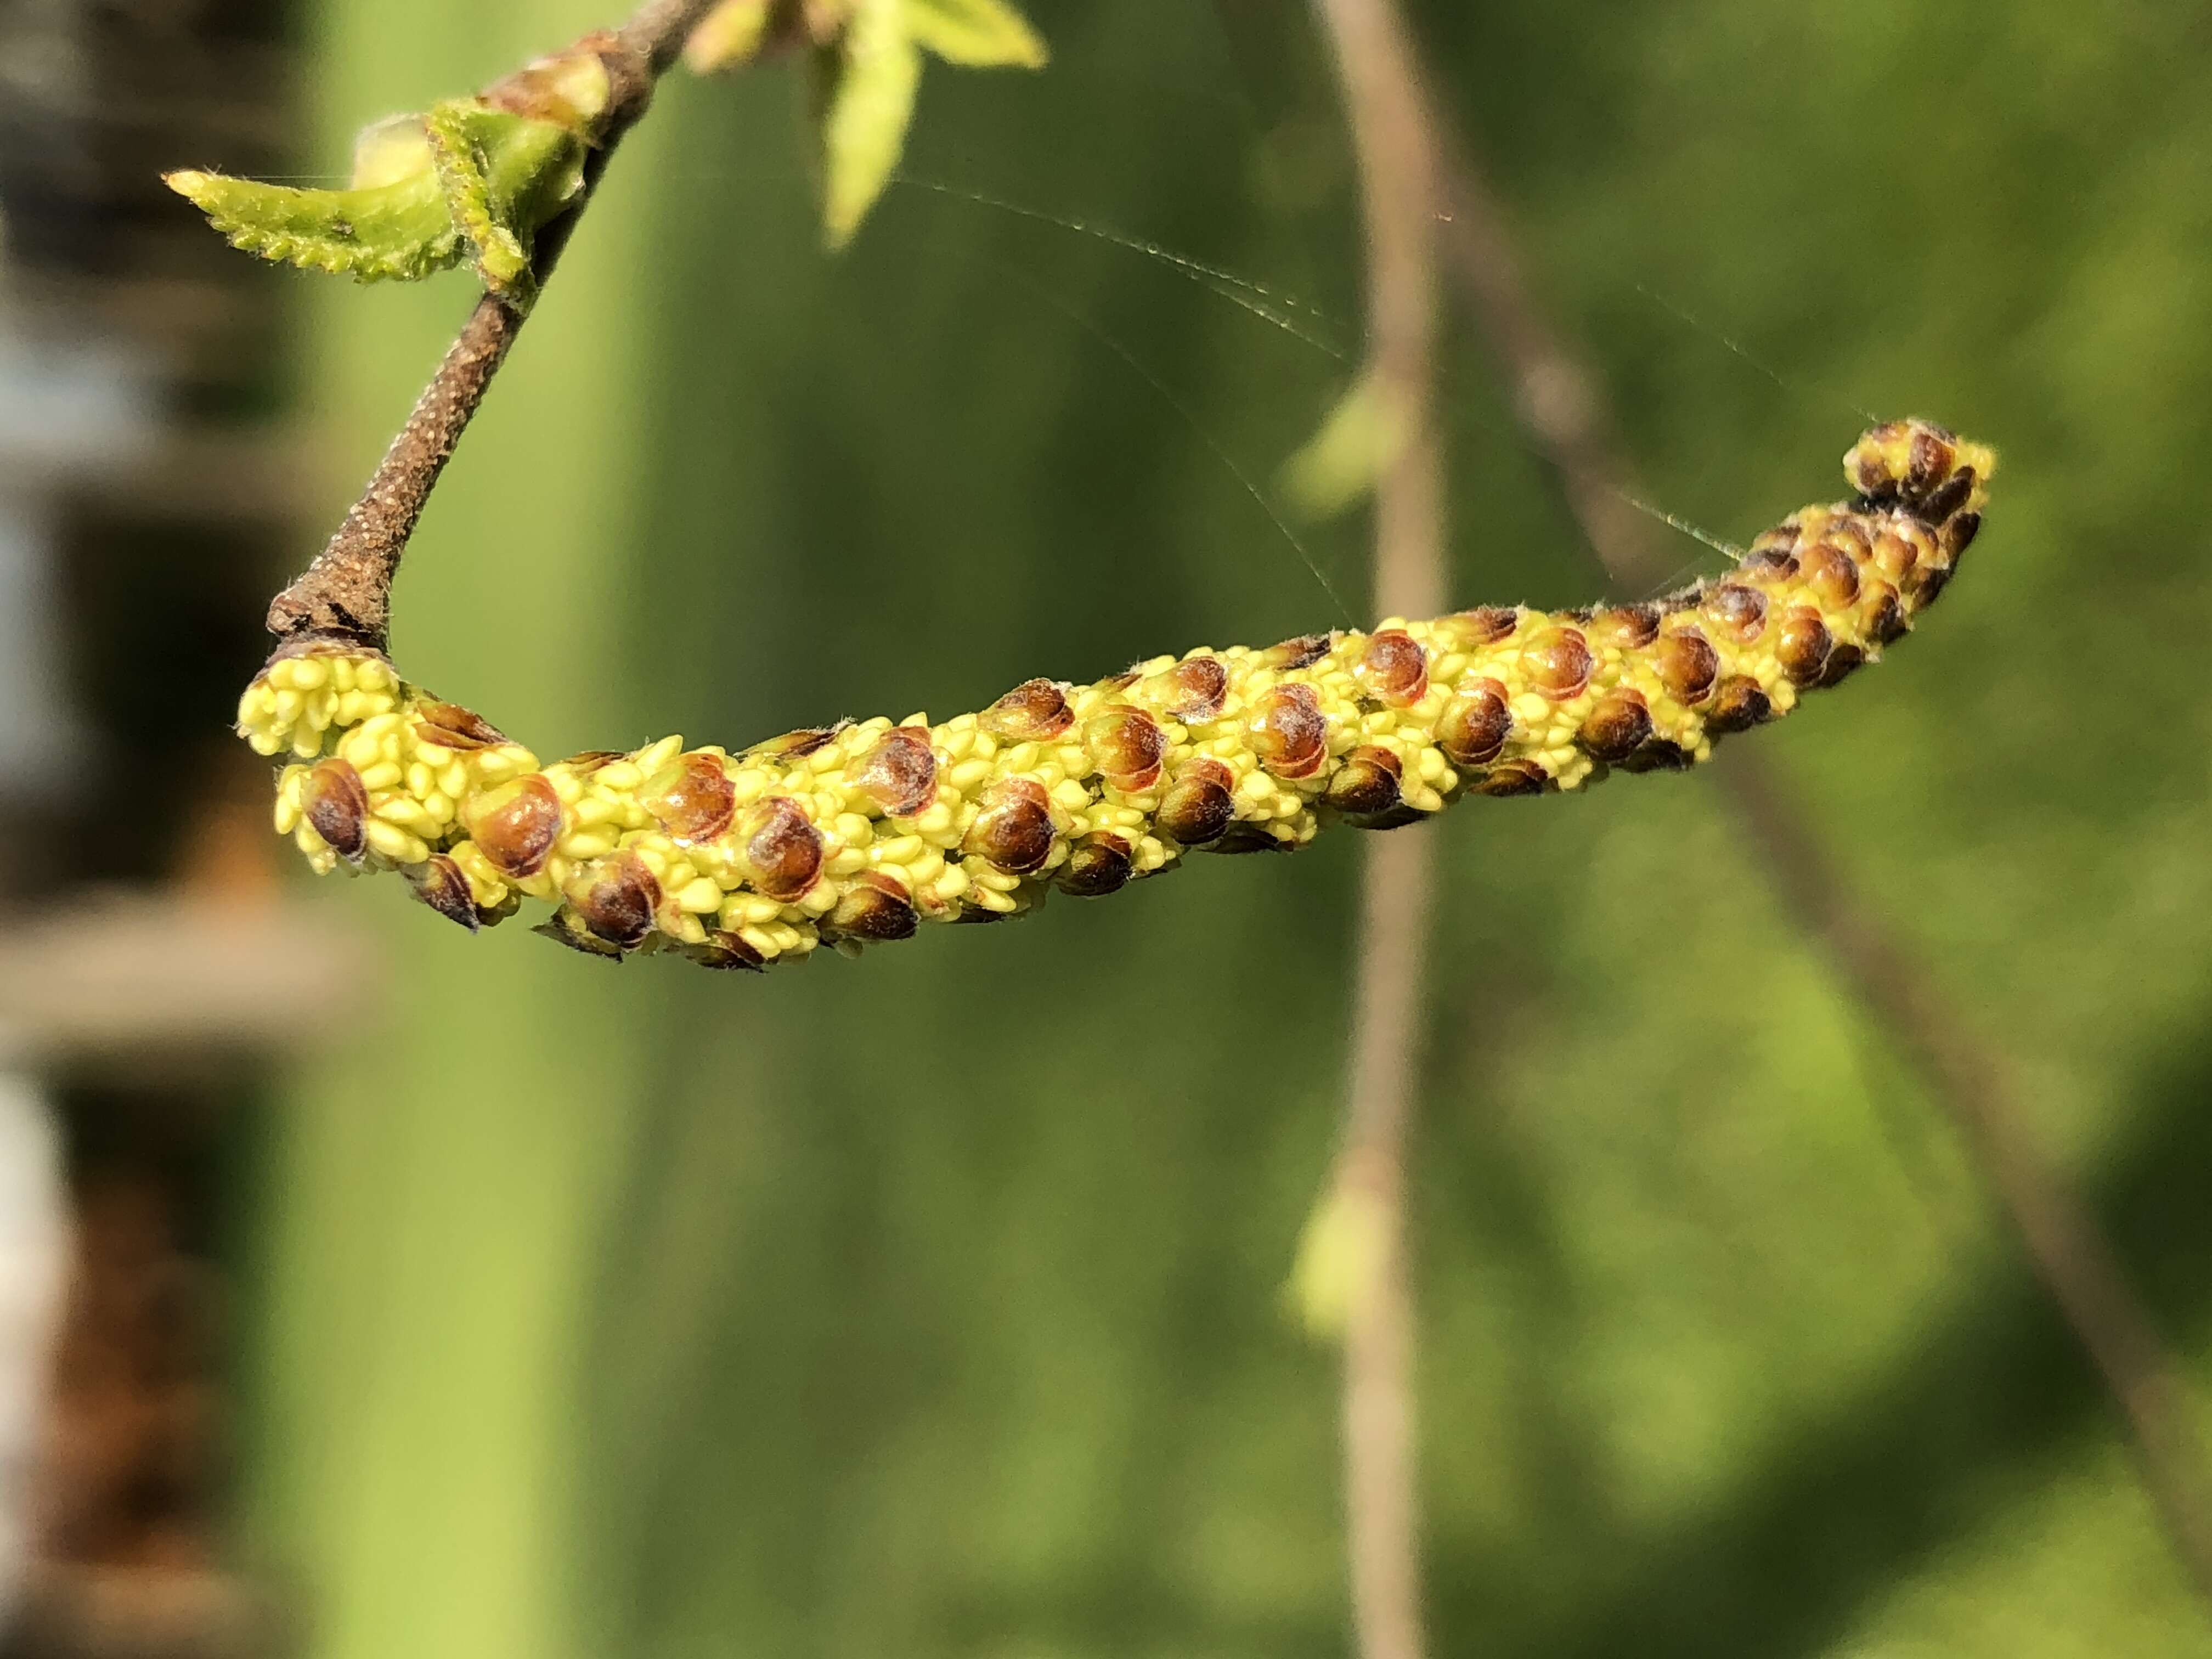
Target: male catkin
(856,833)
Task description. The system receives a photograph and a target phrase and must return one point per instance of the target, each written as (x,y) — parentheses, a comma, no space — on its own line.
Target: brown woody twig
(1558,403)
(1397,178)
(346,593)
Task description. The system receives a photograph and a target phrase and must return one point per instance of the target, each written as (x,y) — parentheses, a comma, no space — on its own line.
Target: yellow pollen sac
(851,836)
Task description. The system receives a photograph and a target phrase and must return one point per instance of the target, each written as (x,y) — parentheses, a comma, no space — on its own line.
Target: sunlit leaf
(729,36)
(464,181)
(975,33)
(866,57)
(392,223)
(874,71)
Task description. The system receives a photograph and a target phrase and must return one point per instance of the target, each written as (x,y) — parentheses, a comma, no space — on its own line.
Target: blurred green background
(931,1305)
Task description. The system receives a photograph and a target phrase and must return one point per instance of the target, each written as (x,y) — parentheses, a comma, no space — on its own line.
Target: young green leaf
(504,176)
(729,36)
(392,223)
(975,33)
(873,72)
(736,33)
(464,181)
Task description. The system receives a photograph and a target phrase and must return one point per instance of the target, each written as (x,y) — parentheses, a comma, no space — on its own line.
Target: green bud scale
(856,833)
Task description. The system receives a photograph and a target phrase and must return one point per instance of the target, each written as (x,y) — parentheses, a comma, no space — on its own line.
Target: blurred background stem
(1397,178)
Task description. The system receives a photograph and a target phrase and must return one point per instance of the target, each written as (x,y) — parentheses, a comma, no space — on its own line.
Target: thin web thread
(1268,304)
(1272,306)
(1280,310)
(1795,388)
(1167,396)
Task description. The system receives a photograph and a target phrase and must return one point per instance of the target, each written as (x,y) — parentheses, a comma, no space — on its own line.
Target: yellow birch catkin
(856,833)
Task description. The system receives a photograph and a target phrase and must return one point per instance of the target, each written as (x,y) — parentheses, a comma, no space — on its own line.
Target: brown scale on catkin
(857,834)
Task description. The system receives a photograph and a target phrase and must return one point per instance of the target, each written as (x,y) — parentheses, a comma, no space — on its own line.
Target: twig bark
(346,593)
(1397,178)
(1560,405)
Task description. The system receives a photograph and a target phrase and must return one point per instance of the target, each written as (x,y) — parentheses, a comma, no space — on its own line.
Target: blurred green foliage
(931,1306)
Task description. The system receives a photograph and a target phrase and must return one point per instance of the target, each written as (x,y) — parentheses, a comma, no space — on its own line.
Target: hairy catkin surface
(856,833)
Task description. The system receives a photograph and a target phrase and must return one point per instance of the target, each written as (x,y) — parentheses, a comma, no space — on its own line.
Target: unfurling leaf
(571,88)
(975,33)
(464,174)
(473,179)
(389,152)
(729,36)
(504,176)
(1339,465)
(392,222)
(874,70)
(737,33)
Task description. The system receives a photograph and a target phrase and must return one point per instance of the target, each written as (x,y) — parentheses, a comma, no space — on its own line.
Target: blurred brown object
(77,1611)
(142,1011)
(123,1519)
(129,1433)
(98,985)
